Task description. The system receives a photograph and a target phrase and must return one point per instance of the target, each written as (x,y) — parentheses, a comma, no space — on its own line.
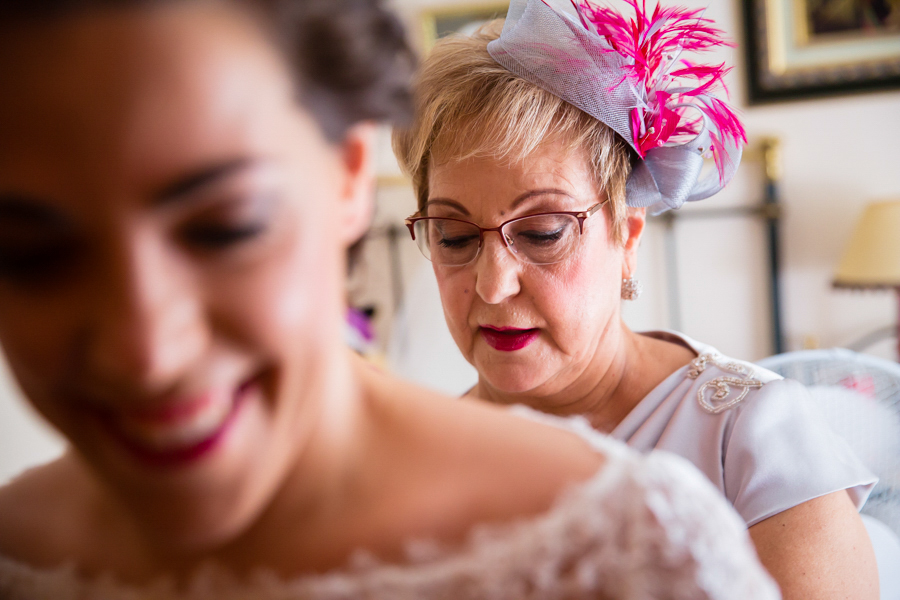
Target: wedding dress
(644,527)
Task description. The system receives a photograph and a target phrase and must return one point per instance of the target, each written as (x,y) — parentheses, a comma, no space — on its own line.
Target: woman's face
(566,309)
(172,233)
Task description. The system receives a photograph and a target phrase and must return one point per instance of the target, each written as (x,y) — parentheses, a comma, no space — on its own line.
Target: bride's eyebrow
(195,181)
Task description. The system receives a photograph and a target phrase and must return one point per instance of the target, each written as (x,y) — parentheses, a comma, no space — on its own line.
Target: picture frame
(458,18)
(799,49)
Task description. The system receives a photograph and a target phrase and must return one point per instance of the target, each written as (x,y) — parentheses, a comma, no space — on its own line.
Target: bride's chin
(219,466)
(216,503)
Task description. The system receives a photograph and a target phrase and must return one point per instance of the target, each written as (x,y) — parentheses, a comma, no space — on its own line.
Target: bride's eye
(30,263)
(227,225)
(218,236)
(35,244)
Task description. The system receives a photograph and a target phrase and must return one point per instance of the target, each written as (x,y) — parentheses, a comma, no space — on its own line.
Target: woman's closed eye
(228,225)
(214,236)
(536,237)
(35,243)
(26,263)
(458,241)
(544,230)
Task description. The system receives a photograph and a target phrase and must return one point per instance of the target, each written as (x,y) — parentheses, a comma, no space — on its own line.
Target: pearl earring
(631,289)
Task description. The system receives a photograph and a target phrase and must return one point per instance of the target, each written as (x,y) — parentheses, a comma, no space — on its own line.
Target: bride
(179,182)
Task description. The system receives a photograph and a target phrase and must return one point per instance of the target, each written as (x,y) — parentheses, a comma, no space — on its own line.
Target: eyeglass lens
(541,239)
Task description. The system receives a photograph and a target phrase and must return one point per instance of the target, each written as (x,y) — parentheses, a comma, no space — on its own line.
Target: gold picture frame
(457,18)
(806,48)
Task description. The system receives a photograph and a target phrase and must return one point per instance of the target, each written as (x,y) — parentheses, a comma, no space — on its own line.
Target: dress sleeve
(781,453)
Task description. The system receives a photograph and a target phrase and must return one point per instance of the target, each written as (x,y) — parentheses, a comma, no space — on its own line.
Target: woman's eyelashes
(35,263)
(227,225)
(215,236)
(35,243)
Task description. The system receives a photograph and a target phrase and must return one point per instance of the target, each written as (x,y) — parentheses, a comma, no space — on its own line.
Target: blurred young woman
(179,183)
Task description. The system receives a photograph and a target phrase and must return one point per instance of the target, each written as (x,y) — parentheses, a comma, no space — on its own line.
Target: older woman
(532,186)
(179,183)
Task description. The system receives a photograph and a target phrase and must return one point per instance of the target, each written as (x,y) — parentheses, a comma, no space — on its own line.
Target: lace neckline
(419,553)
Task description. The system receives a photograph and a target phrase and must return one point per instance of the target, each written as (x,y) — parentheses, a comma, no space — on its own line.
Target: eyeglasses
(542,239)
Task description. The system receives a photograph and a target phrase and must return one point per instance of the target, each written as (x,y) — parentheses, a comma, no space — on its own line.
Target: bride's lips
(182,430)
(508,339)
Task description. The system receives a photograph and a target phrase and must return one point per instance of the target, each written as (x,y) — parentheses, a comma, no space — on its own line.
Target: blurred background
(751,271)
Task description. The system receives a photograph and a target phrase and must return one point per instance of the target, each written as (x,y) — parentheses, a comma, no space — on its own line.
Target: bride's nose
(148,325)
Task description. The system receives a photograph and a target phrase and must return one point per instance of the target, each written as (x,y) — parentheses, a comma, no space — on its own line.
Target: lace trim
(722,393)
(642,527)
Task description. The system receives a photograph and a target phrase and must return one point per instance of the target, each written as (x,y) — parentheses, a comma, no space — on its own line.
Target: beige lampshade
(872,257)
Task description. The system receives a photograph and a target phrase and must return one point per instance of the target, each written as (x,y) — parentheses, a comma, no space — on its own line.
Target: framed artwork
(807,48)
(461,18)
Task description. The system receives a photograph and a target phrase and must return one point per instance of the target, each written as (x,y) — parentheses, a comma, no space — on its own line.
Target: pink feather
(651,43)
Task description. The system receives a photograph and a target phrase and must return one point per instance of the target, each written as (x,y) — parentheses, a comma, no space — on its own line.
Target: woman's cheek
(456,292)
(570,301)
(294,311)
(41,345)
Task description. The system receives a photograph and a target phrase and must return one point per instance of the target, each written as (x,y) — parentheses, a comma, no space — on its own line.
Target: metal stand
(393,233)
(769,210)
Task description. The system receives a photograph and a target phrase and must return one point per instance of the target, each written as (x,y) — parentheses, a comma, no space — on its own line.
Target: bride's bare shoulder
(38,513)
(488,443)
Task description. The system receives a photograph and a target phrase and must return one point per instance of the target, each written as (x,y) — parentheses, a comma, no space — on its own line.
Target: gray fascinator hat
(628,73)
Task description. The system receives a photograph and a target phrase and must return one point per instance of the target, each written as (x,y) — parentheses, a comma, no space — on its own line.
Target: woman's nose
(148,325)
(497,271)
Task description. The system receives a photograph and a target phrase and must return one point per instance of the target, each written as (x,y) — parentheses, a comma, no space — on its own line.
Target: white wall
(25,440)
(839,154)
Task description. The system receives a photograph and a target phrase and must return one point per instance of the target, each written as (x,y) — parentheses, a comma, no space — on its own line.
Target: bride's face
(171,253)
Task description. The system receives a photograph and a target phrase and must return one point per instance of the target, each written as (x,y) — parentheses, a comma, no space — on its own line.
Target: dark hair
(350,58)
(354,59)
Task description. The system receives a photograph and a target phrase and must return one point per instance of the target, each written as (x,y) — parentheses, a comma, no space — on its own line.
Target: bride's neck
(324,469)
(330,441)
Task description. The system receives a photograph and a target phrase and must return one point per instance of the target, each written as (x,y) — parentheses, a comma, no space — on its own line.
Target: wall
(24,439)
(839,154)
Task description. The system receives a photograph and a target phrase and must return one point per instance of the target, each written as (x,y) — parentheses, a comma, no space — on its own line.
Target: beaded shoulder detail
(726,391)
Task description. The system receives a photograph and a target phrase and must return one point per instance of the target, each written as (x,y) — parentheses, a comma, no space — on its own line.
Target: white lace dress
(645,527)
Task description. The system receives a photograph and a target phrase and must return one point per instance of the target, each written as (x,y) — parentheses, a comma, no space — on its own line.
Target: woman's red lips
(508,339)
(172,413)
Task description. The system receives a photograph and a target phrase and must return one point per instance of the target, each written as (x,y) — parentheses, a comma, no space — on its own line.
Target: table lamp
(871,259)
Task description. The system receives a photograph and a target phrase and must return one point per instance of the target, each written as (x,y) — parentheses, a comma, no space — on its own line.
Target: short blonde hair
(467,105)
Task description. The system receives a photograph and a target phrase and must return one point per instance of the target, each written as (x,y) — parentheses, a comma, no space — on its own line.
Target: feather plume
(667,89)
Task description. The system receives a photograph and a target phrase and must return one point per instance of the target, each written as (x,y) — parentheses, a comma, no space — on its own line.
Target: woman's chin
(185,452)
(203,497)
(212,502)
(511,378)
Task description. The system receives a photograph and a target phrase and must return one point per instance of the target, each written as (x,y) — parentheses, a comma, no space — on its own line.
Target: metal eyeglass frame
(581,215)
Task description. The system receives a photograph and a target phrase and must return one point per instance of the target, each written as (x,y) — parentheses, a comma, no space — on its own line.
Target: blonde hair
(467,106)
